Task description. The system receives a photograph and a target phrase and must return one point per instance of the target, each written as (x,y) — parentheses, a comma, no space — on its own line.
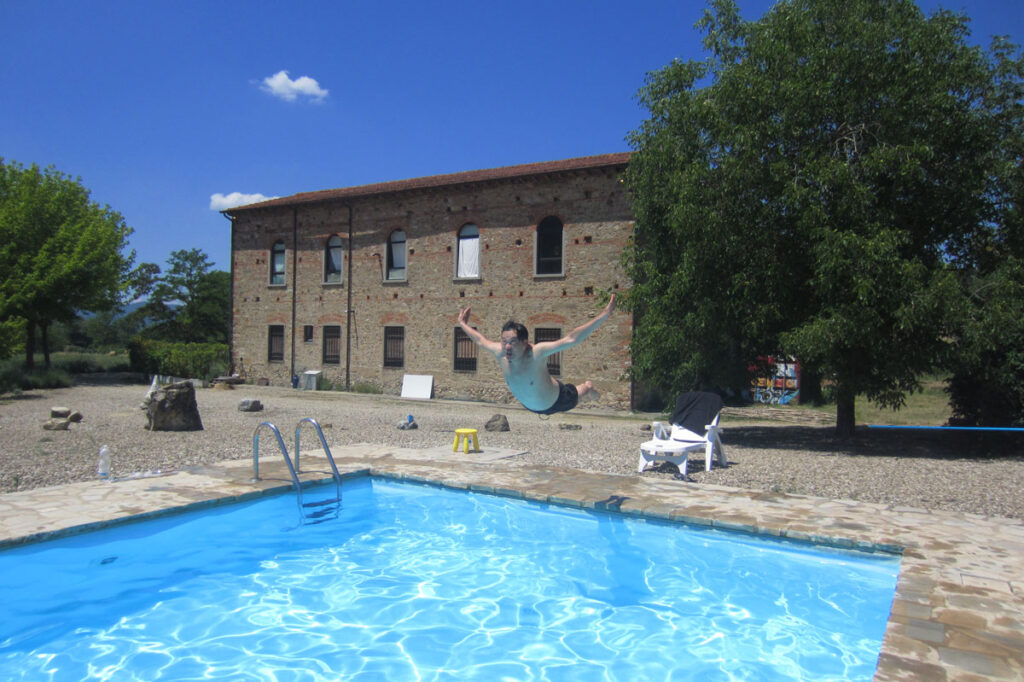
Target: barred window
(465,352)
(275,343)
(332,345)
(550,334)
(394,346)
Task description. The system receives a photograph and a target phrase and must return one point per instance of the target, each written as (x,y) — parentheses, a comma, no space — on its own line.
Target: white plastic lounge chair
(694,427)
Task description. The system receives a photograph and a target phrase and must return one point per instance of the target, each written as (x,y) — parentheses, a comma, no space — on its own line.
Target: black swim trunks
(568,398)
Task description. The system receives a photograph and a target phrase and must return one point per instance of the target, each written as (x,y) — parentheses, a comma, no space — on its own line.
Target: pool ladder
(323,508)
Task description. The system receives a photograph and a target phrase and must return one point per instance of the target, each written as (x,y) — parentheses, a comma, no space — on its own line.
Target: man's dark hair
(520,330)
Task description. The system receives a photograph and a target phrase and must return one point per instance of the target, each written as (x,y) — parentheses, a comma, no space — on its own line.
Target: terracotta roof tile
(433,181)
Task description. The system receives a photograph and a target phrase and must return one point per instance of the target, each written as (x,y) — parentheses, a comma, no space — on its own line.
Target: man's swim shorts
(568,398)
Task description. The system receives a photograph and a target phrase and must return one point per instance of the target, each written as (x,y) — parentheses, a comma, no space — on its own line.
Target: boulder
(56,425)
(173,408)
(497,423)
(570,427)
(60,412)
(248,404)
(148,398)
(75,417)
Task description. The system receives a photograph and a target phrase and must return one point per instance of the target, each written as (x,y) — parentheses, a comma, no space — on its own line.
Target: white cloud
(280,85)
(222,202)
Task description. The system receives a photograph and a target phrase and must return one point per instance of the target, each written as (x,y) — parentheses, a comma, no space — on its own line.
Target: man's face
(511,346)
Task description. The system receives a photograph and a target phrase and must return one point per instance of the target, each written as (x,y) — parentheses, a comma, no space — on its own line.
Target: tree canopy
(818,187)
(61,253)
(190,302)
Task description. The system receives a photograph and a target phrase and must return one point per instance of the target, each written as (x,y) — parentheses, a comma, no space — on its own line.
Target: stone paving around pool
(958,613)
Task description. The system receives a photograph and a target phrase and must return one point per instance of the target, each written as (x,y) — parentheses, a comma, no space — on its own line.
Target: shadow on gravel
(873,443)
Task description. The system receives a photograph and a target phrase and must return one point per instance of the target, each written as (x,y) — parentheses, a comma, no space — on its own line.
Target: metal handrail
(293,470)
(327,451)
(284,451)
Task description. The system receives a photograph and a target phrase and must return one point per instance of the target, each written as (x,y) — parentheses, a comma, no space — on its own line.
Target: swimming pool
(420,582)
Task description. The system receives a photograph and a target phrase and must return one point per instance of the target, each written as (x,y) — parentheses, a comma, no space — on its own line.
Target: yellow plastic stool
(464,435)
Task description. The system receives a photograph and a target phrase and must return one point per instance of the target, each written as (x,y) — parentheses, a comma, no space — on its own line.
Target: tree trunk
(845,409)
(44,338)
(810,387)
(30,344)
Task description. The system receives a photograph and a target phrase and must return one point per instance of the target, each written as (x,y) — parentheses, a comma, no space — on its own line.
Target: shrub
(366,387)
(10,376)
(85,362)
(41,377)
(188,360)
(14,378)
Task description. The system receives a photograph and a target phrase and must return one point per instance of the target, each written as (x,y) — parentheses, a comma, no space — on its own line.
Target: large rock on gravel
(248,404)
(497,423)
(173,408)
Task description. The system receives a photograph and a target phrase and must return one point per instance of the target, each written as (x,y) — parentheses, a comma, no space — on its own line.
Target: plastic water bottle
(103,467)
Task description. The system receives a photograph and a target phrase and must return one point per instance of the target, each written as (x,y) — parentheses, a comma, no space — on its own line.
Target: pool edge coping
(959,594)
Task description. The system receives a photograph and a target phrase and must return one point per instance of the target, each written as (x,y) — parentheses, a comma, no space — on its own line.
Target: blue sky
(166,108)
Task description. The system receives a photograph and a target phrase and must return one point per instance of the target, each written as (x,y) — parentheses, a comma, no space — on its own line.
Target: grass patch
(929,407)
(14,377)
(366,387)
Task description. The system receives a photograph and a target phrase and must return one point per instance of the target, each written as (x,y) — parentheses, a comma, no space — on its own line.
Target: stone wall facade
(371,299)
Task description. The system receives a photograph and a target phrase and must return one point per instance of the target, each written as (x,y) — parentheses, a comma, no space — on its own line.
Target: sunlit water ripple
(419,583)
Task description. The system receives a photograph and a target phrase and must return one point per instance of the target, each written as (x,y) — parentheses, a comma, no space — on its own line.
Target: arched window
(332,260)
(549,246)
(277,263)
(396,255)
(467,258)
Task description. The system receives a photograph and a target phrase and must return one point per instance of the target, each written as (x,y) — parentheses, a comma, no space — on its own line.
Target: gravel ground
(766,448)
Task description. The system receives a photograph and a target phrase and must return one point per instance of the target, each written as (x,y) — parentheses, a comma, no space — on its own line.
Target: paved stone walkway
(958,613)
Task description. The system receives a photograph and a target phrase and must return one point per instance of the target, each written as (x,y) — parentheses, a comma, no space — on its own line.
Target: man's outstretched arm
(576,335)
(478,338)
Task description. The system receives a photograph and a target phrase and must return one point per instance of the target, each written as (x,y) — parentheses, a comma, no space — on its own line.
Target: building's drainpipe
(348,307)
(295,267)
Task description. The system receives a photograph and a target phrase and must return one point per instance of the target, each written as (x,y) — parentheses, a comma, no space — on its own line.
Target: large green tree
(815,187)
(60,252)
(190,301)
(987,383)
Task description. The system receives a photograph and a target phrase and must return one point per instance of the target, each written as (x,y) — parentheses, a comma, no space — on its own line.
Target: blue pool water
(413,582)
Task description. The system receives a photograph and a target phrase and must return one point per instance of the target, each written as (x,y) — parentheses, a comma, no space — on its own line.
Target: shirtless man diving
(525,367)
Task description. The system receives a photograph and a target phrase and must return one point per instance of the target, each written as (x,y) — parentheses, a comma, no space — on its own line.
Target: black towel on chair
(696,410)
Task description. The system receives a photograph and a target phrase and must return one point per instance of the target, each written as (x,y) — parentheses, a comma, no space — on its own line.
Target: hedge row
(188,360)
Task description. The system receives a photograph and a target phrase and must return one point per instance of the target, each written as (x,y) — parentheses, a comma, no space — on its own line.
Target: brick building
(365,283)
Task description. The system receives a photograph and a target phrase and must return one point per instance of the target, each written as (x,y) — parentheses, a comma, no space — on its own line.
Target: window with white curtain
(332,260)
(467,259)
